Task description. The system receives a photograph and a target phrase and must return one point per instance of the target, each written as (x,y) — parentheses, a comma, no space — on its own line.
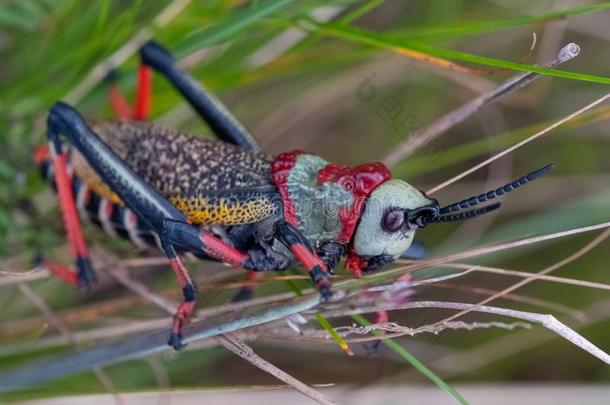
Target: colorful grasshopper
(228,201)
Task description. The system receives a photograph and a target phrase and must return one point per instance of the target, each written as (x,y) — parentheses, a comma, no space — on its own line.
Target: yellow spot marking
(223,211)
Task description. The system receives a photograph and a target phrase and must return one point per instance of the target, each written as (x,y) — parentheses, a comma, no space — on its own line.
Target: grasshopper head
(395,210)
(392,214)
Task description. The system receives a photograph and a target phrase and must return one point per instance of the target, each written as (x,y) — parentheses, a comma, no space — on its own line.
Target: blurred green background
(294,73)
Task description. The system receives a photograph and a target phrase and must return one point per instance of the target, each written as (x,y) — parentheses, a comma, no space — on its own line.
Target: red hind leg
(117,98)
(118,101)
(42,157)
(74,232)
(186,307)
(247,291)
(143,96)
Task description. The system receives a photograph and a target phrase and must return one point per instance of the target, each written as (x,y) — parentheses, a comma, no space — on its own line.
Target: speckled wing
(229,207)
(211,182)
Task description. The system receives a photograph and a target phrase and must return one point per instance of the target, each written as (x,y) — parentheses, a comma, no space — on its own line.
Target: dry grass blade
(487,353)
(466,110)
(116,305)
(160,373)
(142,345)
(438,282)
(581,252)
(517,243)
(92,335)
(20,274)
(13,277)
(129,48)
(238,347)
(523,274)
(546,320)
(70,316)
(227,340)
(442,63)
(393,327)
(66,333)
(578,315)
(447,64)
(519,144)
(316,335)
(46,312)
(485,250)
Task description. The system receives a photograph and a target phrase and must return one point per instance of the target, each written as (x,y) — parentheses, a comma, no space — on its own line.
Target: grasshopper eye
(393,220)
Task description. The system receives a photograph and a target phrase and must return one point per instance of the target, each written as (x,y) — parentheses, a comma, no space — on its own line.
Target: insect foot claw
(261,260)
(321,280)
(244,294)
(111,76)
(326,293)
(329,265)
(372,348)
(85,274)
(175,341)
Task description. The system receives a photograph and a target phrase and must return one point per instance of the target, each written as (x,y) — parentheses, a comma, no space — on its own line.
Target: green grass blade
(467,28)
(104,8)
(387,42)
(359,11)
(414,362)
(324,322)
(224,30)
(14,18)
(420,163)
(333,333)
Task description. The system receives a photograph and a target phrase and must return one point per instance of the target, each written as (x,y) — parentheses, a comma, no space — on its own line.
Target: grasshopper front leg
(300,247)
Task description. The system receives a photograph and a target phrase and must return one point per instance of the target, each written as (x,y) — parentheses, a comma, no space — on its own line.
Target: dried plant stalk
(466,110)
(392,327)
(519,144)
(228,340)
(581,252)
(546,320)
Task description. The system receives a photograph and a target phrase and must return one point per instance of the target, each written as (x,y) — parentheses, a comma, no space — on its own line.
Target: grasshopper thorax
(359,207)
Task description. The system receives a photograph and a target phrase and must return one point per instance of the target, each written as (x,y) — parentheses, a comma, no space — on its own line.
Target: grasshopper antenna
(490,195)
(465,214)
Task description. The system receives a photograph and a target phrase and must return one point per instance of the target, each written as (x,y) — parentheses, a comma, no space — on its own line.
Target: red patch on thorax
(360,180)
(280,169)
